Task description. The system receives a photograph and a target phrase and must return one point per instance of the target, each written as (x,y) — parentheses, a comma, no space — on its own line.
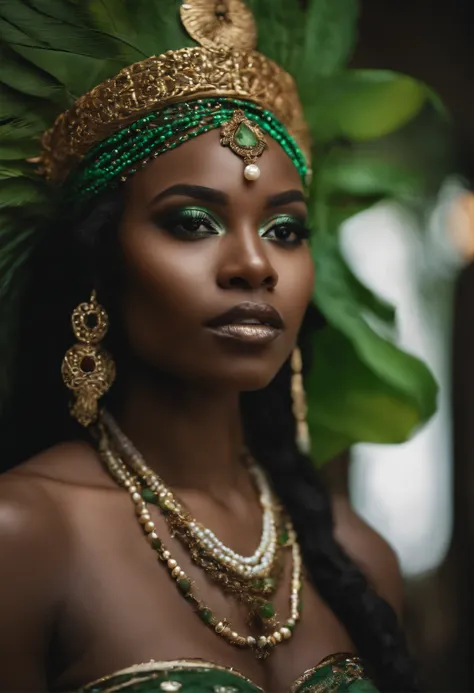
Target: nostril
(269,282)
(242,283)
(239,283)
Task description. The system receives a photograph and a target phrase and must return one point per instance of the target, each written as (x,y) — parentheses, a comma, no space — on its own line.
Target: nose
(245,263)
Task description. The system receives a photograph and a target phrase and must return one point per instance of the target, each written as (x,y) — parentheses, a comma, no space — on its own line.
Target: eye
(190,223)
(286,230)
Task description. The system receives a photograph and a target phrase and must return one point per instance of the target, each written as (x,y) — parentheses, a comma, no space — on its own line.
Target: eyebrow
(198,192)
(286,198)
(212,196)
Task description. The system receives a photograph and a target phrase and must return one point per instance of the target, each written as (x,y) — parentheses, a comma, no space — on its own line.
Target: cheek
(165,271)
(296,280)
(161,304)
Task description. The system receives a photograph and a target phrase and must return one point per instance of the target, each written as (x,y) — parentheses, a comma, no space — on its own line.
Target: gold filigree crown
(224,64)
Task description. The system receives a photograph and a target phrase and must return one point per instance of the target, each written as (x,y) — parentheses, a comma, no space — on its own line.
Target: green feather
(17,131)
(65,12)
(12,36)
(78,73)
(143,30)
(6,172)
(21,150)
(47,32)
(24,110)
(20,192)
(17,74)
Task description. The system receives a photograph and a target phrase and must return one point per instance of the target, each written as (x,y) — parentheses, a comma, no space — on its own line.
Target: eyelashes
(194,223)
(285,229)
(191,223)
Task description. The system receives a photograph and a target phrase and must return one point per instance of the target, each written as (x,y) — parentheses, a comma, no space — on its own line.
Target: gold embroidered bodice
(336,674)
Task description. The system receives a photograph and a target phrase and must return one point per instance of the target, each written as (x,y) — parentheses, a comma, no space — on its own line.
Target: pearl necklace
(262,645)
(259,564)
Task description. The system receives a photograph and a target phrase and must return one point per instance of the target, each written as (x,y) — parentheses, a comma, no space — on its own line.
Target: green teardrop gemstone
(245,137)
(267,610)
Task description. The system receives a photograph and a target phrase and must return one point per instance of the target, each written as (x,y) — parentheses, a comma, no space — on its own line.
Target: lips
(254,323)
(249,314)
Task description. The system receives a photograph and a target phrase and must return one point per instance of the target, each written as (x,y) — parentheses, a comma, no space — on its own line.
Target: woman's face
(200,242)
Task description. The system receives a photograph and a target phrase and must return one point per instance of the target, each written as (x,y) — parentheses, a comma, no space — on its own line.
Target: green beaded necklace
(117,158)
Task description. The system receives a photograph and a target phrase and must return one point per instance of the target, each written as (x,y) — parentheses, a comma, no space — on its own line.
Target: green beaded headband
(243,125)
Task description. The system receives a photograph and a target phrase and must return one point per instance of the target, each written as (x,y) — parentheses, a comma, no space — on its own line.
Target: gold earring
(300,409)
(88,370)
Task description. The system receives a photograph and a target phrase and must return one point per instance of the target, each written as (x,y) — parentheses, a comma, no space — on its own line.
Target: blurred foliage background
(432,41)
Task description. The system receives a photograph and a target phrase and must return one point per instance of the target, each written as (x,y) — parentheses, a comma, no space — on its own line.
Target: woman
(192,401)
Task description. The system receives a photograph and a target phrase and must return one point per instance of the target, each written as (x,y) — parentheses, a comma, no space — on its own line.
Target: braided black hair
(62,276)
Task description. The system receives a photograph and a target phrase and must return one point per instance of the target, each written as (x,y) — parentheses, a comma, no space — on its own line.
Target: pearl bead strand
(259,564)
(262,645)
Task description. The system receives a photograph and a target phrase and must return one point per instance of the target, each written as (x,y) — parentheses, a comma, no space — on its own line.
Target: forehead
(205,161)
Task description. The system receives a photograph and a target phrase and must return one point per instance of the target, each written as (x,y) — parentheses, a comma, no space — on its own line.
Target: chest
(123,609)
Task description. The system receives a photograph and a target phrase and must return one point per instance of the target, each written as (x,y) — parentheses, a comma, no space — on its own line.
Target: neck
(191,436)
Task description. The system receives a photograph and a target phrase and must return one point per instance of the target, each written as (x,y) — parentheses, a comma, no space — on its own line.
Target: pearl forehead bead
(252,172)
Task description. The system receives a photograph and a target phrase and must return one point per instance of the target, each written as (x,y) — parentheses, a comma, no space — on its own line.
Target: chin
(247,377)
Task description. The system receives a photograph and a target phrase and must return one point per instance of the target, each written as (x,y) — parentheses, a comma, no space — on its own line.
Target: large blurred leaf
(349,402)
(362,387)
(364,174)
(363,104)
(321,37)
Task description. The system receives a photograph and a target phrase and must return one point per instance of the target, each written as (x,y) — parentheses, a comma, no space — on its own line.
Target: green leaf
(357,364)
(362,104)
(349,171)
(348,402)
(329,35)
(322,36)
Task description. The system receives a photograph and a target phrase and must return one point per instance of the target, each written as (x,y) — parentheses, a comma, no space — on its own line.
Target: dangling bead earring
(88,370)
(300,408)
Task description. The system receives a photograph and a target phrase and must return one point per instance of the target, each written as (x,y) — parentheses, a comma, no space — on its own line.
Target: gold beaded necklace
(252,591)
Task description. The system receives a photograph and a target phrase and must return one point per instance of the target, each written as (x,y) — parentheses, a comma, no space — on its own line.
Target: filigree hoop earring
(300,409)
(88,370)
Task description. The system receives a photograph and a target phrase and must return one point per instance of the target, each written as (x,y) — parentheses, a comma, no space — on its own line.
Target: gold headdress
(225,65)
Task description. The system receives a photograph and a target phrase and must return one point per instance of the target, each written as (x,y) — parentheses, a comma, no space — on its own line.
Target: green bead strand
(115,159)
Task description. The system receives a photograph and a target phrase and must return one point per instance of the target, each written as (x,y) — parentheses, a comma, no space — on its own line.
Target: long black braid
(62,276)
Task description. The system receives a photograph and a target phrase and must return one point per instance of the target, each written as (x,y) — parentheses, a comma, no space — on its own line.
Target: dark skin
(90,598)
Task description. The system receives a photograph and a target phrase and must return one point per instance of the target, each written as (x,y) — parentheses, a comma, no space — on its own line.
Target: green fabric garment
(337,674)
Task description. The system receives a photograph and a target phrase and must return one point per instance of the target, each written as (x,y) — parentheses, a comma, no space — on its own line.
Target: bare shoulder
(373,555)
(74,463)
(36,559)
(33,500)
(33,523)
